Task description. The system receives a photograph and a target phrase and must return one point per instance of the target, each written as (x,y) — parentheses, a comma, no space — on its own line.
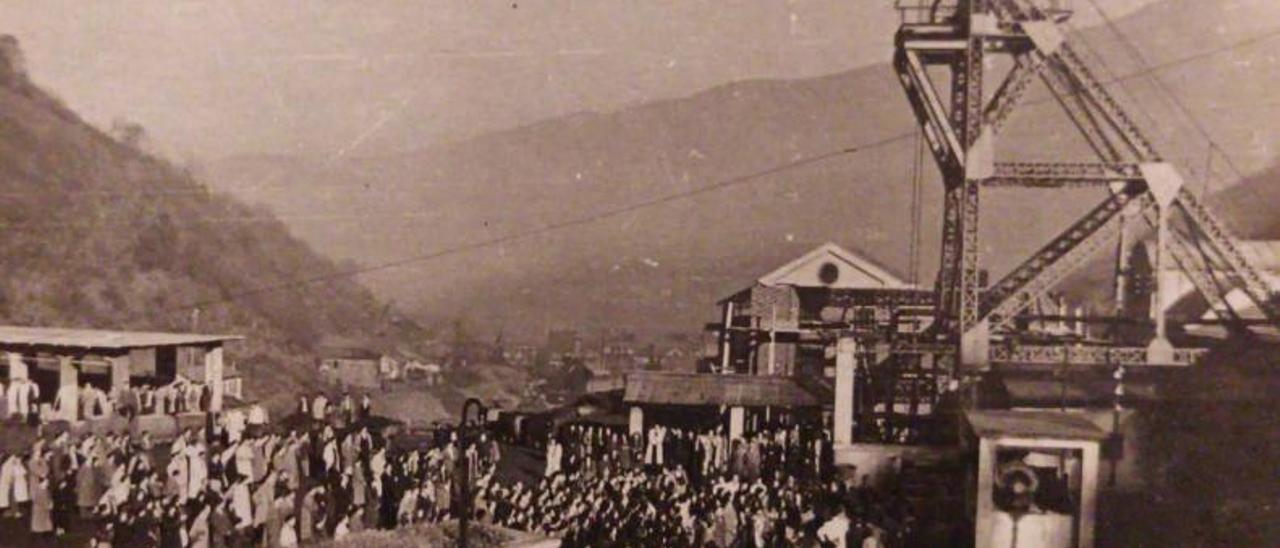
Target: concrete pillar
(17,367)
(636,425)
(726,339)
(119,373)
(68,388)
(773,339)
(737,422)
(846,368)
(1088,495)
(213,377)
(1160,350)
(984,532)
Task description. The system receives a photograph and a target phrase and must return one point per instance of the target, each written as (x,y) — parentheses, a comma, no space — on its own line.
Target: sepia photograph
(639,273)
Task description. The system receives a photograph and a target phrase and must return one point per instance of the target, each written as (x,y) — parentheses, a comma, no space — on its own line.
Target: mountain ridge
(538,175)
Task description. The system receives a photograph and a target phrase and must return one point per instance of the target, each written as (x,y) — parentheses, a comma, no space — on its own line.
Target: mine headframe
(961,125)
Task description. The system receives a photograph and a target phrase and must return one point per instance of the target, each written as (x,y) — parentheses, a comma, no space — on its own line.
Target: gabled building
(782,323)
(777,347)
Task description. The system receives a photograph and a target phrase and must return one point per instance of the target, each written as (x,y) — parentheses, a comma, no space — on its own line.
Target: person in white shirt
(242,503)
(235,425)
(13,398)
(320,407)
(288,534)
(835,529)
(653,452)
(257,415)
(343,529)
(554,451)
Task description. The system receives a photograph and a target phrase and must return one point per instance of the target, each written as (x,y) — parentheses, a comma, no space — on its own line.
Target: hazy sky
(329,78)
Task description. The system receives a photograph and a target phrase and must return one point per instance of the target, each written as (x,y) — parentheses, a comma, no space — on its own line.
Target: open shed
(57,359)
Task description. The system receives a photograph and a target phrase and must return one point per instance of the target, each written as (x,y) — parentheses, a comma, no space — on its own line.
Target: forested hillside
(96,233)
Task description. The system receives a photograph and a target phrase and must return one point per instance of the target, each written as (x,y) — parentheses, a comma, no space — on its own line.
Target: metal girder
(1078,110)
(1248,277)
(906,346)
(950,259)
(1088,87)
(960,135)
(1092,89)
(941,137)
(889,298)
(967,117)
(1088,355)
(1052,354)
(934,46)
(1055,175)
(1057,259)
(1091,94)
(1011,91)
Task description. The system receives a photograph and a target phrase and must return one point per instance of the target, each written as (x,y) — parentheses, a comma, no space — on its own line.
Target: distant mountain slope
(95,233)
(661,267)
(1255,205)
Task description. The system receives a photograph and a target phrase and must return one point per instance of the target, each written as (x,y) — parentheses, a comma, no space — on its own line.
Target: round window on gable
(829,273)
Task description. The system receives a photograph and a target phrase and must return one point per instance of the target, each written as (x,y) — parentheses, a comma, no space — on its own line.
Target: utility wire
(214,220)
(595,217)
(736,181)
(1136,54)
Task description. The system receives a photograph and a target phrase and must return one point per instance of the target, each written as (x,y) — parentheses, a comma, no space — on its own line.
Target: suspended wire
(580,221)
(1137,55)
(215,220)
(1213,146)
(732,182)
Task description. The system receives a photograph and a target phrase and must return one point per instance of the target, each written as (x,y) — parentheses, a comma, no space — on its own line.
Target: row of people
(798,452)
(21,400)
(318,407)
(217,486)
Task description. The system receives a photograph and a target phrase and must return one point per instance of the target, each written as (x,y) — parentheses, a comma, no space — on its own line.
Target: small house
(347,364)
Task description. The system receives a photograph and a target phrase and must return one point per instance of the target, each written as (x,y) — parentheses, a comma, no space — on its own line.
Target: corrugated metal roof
(665,388)
(95,338)
(1033,424)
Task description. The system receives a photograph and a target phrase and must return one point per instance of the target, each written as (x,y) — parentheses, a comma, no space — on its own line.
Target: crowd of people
(239,483)
(21,400)
(794,452)
(770,488)
(226,485)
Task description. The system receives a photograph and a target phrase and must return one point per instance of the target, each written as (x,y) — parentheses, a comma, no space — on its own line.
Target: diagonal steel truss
(960,129)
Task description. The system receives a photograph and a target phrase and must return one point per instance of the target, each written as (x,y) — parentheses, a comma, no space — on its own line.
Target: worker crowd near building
(224,485)
(604,488)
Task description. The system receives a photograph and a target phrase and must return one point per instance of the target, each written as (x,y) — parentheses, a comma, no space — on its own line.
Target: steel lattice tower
(962,124)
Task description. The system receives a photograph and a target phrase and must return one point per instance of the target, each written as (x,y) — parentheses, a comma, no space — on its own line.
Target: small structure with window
(51,362)
(1036,480)
(348,364)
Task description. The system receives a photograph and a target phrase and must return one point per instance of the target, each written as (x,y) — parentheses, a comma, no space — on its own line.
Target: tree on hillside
(157,243)
(130,134)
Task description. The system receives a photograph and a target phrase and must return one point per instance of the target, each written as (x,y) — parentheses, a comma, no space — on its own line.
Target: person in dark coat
(64,502)
(171,524)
